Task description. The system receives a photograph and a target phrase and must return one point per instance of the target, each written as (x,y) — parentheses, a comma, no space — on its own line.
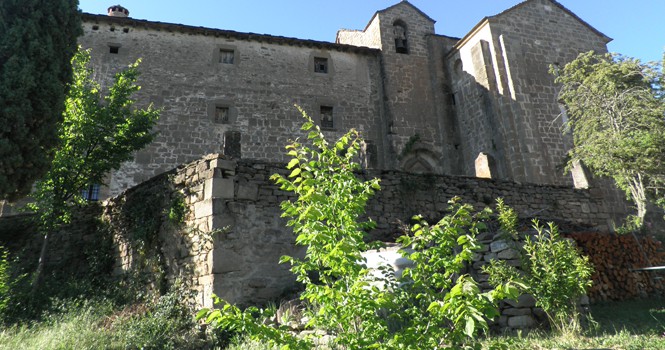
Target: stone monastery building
(482,105)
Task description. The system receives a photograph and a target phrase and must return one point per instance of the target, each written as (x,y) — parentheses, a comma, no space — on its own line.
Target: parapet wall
(245,255)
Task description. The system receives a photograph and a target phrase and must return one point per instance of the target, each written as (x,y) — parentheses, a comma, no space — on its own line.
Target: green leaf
(434,307)
(470,327)
(294,173)
(202,313)
(293,162)
(213,316)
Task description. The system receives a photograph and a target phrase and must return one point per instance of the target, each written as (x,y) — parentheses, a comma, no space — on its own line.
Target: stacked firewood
(618,262)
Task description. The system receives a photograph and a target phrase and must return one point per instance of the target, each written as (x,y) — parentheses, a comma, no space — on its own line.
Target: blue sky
(637,26)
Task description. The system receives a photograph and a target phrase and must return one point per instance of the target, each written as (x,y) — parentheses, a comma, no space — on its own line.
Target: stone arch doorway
(420,161)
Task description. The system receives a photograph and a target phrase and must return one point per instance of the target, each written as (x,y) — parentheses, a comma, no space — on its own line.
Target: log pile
(615,259)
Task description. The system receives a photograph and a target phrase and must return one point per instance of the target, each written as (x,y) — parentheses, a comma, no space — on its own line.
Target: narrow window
(221,115)
(320,65)
(226,56)
(114,49)
(91,193)
(327,117)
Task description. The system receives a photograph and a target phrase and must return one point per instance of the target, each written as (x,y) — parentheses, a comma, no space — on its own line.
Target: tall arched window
(399,30)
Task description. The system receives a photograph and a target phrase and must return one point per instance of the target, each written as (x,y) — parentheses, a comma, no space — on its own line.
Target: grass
(628,325)
(638,324)
(76,329)
(635,324)
(101,324)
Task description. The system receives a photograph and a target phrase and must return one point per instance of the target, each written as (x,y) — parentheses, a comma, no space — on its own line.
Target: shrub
(553,271)
(439,306)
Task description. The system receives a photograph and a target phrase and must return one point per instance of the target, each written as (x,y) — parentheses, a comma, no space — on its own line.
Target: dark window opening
(91,193)
(320,65)
(226,56)
(401,45)
(114,49)
(327,117)
(221,115)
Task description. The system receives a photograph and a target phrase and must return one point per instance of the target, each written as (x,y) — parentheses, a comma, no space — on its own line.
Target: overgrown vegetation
(636,324)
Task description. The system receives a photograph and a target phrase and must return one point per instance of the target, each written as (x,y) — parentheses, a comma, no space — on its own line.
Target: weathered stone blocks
(523,321)
(219,188)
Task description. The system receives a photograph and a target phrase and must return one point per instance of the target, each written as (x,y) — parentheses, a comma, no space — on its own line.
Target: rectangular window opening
(91,193)
(114,49)
(221,115)
(327,117)
(320,65)
(226,56)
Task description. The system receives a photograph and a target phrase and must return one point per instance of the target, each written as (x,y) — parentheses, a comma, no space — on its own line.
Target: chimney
(118,11)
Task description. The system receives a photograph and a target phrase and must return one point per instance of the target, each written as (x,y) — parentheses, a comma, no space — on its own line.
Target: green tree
(97,135)
(37,43)
(616,112)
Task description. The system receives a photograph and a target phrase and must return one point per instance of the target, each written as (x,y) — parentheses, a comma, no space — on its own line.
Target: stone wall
(242,205)
(181,73)
(162,228)
(231,233)
(507,102)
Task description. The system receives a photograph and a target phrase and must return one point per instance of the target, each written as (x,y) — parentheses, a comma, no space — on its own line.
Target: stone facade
(426,103)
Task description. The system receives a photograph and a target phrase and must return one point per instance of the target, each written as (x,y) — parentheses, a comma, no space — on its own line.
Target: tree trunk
(638,195)
(37,280)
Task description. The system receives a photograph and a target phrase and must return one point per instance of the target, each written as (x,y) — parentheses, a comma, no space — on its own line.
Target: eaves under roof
(173,27)
(483,21)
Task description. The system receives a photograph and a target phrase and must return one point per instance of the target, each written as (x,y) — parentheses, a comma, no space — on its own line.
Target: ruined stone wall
(245,255)
(157,240)
(182,74)
(231,235)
